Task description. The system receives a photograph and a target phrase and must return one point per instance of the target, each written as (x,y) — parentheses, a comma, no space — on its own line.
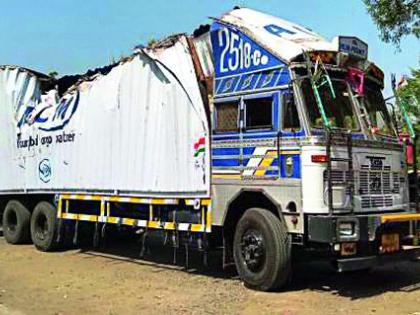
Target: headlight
(346,229)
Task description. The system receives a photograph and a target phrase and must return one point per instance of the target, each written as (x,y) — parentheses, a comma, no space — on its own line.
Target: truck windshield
(377,111)
(339,110)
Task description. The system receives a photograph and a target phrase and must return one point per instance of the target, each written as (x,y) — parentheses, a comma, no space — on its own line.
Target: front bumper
(367,228)
(366,262)
(366,240)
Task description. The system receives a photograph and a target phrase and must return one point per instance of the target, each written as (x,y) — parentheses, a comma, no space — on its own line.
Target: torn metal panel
(39,75)
(204,51)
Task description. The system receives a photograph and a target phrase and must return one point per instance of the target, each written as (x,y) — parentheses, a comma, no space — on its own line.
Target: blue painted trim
(225,162)
(296,165)
(226,151)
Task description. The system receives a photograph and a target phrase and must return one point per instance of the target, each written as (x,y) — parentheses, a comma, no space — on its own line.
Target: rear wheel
(16,227)
(44,227)
(262,250)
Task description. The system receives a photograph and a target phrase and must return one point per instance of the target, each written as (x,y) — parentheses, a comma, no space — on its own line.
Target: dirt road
(115,281)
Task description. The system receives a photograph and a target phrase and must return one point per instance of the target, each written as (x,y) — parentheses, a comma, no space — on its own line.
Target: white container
(134,130)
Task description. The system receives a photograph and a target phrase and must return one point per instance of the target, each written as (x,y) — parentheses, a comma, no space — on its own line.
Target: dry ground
(115,281)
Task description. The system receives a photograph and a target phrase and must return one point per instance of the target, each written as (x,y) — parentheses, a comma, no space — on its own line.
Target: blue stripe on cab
(249,150)
(296,165)
(225,162)
(226,151)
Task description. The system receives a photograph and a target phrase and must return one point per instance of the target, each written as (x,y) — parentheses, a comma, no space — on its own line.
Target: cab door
(260,121)
(289,133)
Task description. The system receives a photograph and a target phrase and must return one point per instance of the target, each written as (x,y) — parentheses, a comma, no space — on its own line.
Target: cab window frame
(274,102)
(282,114)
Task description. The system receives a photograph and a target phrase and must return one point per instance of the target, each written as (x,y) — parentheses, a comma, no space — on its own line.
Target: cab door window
(227,116)
(259,113)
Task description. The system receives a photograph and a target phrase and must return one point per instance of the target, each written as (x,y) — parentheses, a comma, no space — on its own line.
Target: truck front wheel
(16,218)
(44,227)
(262,250)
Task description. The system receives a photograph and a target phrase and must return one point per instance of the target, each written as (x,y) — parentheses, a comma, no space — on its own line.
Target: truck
(252,135)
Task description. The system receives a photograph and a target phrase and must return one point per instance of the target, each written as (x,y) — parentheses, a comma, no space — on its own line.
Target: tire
(262,250)
(44,227)
(16,223)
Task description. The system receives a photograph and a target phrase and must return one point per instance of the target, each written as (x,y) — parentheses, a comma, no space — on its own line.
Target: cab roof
(284,39)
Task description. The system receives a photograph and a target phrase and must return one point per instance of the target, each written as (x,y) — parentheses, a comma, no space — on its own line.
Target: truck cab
(300,128)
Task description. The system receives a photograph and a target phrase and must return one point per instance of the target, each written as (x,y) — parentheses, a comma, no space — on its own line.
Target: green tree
(409,95)
(395,18)
(53,74)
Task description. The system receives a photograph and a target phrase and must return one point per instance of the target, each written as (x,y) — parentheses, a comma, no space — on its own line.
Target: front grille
(396,180)
(339,178)
(376,201)
(378,183)
(386,183)
(376,188)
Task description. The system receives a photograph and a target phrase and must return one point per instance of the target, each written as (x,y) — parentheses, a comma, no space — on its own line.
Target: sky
(71,36)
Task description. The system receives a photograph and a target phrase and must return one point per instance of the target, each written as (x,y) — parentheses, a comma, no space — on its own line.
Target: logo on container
(45,170)
(50,116)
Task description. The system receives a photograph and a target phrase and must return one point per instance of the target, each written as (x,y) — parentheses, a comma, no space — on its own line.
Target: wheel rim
(41,227)
(253,250)
(12,221)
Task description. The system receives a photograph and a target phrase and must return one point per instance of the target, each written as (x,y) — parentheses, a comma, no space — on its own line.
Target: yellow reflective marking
(209,220)
(400,217)
(80,197)
(59,207)
(226,176)
(155,201)
(197,227)
(70,216)
(158,201)
(86,217)
(153,224)
(150,213)
(113,220)
(108,209)
(205,202)
(102,208)
(129,221)
(169,226)
(290,152)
